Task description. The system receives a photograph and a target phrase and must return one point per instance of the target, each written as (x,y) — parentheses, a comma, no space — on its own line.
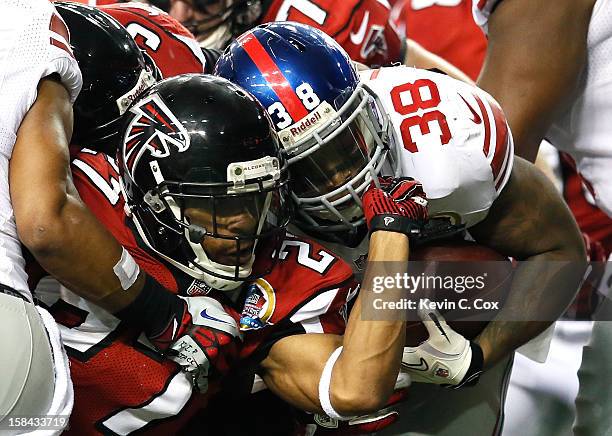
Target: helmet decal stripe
(274,76)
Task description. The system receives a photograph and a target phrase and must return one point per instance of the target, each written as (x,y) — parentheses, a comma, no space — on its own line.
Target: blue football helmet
(328,122)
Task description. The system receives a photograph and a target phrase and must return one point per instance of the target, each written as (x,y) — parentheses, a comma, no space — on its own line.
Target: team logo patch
(198,289)
(376,43)
(258,306)
(154,129)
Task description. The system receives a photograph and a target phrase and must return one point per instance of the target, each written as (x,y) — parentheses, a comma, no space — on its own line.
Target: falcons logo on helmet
(153,129)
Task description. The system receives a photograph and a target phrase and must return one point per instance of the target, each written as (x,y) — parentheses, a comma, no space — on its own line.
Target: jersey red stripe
(274,76)
(485,116)
(501,138)
(58,26)
(61,45)
(507,165)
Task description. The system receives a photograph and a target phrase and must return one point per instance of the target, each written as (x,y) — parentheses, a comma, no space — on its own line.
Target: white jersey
(449,135)
(34,43)
(583,129)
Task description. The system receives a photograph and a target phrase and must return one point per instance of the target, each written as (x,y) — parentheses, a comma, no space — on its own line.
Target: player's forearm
(372,350)
(531,74)
(542,288)
(51,220)
(83,255)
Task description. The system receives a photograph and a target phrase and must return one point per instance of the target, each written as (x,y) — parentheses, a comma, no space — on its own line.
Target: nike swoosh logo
(357,38)
(475,117)
(421,366)
(436,321)
(204,314)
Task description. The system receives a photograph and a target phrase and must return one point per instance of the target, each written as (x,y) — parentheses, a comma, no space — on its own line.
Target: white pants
(34,375)
(594,401)
(541,396)
(476,410)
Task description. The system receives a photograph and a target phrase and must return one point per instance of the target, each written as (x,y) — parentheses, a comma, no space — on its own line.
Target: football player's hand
(445,358)
(201,337)
(398,205)
(366,424)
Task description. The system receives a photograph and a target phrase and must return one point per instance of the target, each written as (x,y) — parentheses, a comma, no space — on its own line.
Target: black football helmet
(114,72)
(204,178)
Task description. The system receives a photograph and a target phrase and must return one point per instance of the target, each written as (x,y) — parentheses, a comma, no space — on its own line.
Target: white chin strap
(207,264)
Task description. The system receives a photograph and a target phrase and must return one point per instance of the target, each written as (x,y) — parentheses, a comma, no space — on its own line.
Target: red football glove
(399,205)
(201,337)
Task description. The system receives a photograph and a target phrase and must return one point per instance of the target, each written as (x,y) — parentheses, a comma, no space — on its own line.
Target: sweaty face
(201,17)
(225,219)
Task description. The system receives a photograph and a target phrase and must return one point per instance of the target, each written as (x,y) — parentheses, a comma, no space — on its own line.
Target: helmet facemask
(220,226)
(333,165)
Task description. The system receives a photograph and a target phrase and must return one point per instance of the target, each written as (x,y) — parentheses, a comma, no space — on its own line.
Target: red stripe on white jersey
(274,76)
(507,164)
(60,36)
(500,155)
(487,125)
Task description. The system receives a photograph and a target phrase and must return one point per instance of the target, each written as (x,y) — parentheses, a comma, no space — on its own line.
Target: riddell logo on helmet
(305,124)
(292,134)
(144,81)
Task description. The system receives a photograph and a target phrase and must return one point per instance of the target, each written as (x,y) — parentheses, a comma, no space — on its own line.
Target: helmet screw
(238,171)
(161,231)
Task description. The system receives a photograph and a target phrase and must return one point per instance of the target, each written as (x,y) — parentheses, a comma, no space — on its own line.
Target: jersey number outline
(305,7)
(307,96)
(151,39)
(418,102)
(111,189)
(305,258)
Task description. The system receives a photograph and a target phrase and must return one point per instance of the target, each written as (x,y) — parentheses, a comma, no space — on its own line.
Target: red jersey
(362,27)
(446,28)
(121,383)
(171,46)
(308,291)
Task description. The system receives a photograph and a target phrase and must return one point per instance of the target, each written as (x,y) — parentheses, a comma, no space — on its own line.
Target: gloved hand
(399,205)
(201,337)
(445,358)
(366,424)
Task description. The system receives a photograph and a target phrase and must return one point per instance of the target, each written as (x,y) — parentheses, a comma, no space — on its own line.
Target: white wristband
(126,270)
(324,383)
